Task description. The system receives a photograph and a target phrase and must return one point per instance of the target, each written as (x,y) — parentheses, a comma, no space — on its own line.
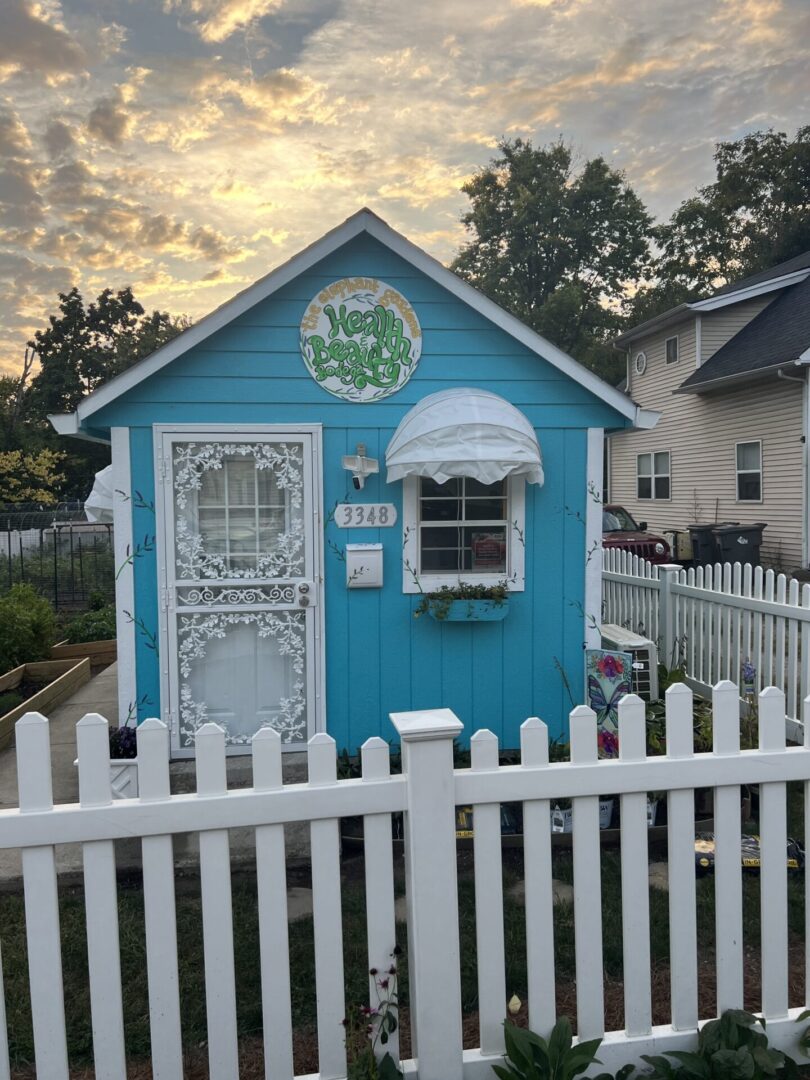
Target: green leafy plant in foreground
(735,1047)
(530,1057)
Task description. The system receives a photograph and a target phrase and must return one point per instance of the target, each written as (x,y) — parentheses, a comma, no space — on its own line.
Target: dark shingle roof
(790,266)
(778,335)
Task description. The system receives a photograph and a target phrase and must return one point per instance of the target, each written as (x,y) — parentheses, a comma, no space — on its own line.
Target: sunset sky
(189,146)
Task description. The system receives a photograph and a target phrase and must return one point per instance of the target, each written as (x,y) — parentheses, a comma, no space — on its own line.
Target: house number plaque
(365,515)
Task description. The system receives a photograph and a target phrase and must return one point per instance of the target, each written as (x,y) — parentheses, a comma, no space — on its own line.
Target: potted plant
(465,602)
(124,761)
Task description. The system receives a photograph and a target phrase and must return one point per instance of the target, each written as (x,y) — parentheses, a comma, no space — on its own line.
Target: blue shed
(358,427)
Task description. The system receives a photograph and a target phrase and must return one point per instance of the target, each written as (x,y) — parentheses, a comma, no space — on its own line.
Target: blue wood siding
(379,658)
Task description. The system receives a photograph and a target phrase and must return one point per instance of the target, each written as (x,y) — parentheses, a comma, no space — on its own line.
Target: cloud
(58,139)
(216,20)
(109,121)
(20,201)
(14,138)
(31,41)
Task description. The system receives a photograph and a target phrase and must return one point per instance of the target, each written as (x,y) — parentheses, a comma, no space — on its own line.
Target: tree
(30,477)
(85,346)
(557,245)
(755,215)
(82,347)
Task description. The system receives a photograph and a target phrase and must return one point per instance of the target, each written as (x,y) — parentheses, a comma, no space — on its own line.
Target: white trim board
(593,537)
(413,581)
(125,582)
(364,221)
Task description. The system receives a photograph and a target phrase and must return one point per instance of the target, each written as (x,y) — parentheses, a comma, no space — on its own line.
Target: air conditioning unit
(644,654)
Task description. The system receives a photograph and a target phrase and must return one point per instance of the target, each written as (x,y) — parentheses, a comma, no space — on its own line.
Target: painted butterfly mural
(609,679)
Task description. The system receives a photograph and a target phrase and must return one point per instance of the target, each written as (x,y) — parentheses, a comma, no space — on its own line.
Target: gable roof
(782,276)
(798,262)
(364,221)
(779,335)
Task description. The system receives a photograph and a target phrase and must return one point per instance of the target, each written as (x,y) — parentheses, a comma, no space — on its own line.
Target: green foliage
(438,603)
(27,626)
(30,478)
(530,1057)
(735,1047)
(94,625)
(755,215)
(83,346)
(556,245)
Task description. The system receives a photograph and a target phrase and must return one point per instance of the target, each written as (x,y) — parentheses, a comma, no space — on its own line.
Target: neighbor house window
(671,346)
(652,475)
(749,472)
(463,530)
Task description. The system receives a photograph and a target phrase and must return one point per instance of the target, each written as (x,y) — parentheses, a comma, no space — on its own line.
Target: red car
(619,530)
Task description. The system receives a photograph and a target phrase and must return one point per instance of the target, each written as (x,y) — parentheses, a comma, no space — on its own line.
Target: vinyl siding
(718,327)
(379,659)
(700,432)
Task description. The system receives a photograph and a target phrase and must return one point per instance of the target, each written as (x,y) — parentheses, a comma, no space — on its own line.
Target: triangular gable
(364,221)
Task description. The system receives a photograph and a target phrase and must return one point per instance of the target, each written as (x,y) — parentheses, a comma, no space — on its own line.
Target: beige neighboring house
(729,376)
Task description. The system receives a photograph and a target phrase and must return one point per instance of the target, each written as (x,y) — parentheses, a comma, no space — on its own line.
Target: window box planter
(58,679)
(471,611)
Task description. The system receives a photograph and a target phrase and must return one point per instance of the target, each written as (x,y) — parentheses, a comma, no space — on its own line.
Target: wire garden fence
(67,559)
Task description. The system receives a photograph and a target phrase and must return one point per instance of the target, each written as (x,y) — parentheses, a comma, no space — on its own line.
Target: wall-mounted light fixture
(360,466)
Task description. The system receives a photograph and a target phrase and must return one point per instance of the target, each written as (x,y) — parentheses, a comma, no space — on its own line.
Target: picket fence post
(432,890)
(667,630)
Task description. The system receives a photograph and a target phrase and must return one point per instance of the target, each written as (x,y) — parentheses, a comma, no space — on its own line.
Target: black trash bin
(740,543)
(705,546)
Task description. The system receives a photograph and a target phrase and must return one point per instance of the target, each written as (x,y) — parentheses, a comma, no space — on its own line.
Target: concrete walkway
(100,695)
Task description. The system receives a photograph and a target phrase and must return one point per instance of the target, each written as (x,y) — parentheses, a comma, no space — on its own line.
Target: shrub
(97,625)
(27,627)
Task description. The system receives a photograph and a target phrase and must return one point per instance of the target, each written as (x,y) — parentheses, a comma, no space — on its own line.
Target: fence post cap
(426,724)
(92,719)
(31,719)
(266,734)
(677,689)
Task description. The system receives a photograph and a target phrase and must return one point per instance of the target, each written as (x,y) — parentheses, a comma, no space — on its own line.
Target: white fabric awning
(464,432)
(98,506)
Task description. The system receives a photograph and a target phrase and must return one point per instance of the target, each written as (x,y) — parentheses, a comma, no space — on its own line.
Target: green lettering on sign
(360,339)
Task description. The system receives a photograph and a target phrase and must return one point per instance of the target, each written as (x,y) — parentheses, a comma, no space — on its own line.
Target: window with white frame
(652,475)
(671,346)
(463,530)
(749,471)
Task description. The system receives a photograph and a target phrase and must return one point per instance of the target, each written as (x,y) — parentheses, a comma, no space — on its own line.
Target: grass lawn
(189,928)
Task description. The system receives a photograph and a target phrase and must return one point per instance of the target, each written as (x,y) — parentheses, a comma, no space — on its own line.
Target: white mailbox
(364,566)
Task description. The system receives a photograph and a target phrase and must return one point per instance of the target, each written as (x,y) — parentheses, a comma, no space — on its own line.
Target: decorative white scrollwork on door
(285,629)
(241,553)
(238,510)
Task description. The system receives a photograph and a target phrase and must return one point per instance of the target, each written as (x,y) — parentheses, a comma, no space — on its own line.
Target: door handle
(306,594)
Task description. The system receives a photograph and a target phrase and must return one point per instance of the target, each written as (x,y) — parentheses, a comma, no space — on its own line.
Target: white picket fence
(713,619)
(428,792)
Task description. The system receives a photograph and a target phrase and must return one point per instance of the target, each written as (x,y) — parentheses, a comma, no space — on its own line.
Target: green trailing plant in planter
(465,601)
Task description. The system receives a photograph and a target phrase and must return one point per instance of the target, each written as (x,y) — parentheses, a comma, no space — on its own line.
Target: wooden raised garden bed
(52,681)
(100,653)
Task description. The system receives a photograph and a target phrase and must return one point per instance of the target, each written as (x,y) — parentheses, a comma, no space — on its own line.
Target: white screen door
(239,588)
